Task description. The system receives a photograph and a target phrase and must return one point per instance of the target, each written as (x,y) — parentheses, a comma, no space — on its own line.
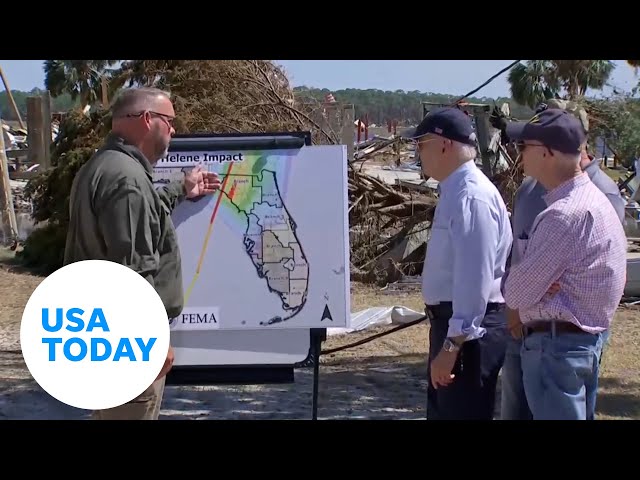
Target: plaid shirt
(579,242)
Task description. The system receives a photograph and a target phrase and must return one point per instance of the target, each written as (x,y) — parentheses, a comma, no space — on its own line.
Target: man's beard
(161,154)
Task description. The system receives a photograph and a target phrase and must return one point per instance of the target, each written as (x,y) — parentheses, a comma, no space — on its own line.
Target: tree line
(380,106)
(404,107)
(62,103)
(78,83)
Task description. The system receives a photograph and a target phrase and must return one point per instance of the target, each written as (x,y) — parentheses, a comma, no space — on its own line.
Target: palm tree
(143,73)
(531,83)
(82,79)
(538,80)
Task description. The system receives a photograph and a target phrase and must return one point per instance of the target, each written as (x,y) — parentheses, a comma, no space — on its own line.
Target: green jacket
(117,214)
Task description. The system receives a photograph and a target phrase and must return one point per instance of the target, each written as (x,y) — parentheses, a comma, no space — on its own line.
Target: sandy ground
(383,379)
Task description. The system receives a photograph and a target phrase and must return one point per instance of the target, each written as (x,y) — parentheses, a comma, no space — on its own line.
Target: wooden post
(482,132)
(347,129)
(46,130)
(35,126)
(11,100)
(9,223)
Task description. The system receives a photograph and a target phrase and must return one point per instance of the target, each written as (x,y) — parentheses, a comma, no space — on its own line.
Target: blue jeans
(560,374)
(514,404)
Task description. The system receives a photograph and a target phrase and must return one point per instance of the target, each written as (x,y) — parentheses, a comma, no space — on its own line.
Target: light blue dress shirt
(470,242)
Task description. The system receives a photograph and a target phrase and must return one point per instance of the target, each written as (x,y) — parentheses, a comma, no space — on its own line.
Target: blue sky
(454,77)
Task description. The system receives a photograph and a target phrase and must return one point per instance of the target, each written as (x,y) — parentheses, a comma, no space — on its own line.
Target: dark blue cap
(555,128)
(448,122)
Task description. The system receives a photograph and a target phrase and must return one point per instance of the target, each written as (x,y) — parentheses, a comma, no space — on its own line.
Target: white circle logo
(94,334)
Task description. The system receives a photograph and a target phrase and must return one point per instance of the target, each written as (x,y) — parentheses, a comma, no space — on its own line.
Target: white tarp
(375,317)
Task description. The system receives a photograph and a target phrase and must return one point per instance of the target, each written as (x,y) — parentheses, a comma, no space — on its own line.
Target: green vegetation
(61,103)
(79,136)
(252,96)
(406,107)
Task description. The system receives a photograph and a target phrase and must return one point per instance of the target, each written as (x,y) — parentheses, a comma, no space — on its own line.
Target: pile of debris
(389,227)
(20,204)
(394,149)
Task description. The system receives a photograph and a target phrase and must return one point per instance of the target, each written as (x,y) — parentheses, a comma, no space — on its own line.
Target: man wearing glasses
(576,243)
(465,260)
(528,203)
(117,214)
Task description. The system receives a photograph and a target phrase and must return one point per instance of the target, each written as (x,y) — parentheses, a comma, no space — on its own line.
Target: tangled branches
(381,218)
(209,96)
(226,96)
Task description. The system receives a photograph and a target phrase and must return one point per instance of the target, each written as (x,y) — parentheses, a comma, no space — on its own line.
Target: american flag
(329,98)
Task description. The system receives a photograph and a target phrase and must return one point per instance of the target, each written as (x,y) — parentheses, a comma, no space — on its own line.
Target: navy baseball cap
(555,128)
(448,122)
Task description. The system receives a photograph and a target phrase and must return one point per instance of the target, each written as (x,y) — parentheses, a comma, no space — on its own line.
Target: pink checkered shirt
(579,242)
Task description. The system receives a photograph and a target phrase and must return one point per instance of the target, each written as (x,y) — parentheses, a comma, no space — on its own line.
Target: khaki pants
(144,407)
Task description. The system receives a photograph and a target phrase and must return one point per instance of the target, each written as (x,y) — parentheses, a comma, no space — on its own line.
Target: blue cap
(555,128)
(448,122)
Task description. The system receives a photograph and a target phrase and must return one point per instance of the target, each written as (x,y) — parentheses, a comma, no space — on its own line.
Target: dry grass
(391,370)
(619,396)
(16,286)
(407,346)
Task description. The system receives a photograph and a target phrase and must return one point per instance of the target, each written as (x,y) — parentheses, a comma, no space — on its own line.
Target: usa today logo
(94,334)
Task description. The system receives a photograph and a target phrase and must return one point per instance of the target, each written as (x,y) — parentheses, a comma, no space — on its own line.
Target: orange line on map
(233,190)
(206,240)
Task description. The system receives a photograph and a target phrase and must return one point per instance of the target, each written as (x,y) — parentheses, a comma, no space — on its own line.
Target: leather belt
(445,309)
(547,326)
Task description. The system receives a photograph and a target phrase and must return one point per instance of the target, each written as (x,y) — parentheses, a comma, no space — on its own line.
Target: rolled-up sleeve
(475,236)
(126,221)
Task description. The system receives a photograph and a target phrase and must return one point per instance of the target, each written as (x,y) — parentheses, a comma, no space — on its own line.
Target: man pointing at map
(116,214)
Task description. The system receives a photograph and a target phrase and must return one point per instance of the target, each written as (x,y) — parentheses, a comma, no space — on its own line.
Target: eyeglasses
(417,143)
(167,118)
(521,146)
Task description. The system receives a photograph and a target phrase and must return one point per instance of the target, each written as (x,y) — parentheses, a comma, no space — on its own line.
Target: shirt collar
(591,169)
(566,188)
(116,142)
(457,174)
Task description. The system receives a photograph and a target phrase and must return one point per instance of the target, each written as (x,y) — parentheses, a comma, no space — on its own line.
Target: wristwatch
(450,346)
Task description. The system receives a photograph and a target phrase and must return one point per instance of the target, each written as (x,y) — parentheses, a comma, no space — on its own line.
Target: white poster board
(266,259)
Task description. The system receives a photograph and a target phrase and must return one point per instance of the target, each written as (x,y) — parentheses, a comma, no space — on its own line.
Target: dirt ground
(382,379)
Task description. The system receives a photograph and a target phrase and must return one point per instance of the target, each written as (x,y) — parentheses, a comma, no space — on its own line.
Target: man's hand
(441,368)
(168,363)
(199,182)
(513,323)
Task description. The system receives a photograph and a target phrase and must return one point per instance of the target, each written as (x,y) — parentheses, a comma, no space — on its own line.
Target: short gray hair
(134,100)
(568,158)
(466,152)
